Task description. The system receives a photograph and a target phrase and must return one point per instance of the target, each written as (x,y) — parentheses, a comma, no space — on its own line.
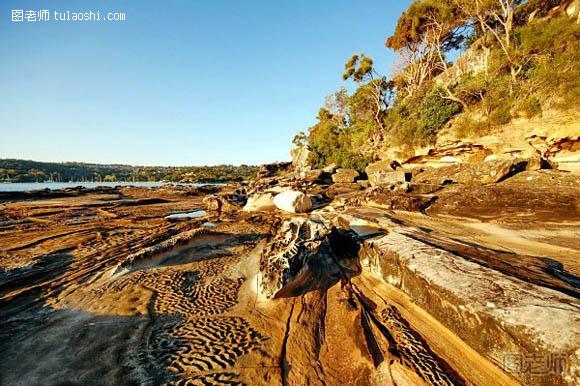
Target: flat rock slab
(543,195)
(502,317)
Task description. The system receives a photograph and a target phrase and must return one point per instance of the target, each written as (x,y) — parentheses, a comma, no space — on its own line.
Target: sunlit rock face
(304,255)
(293,201)
(300,156)
(345,176)
(260,202)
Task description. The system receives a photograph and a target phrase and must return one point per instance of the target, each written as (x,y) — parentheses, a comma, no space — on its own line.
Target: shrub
(435,111)
(501,114)
(466,126)
(472,88)
(530,106)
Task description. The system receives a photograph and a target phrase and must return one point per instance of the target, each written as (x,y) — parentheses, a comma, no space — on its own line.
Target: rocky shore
(407,274)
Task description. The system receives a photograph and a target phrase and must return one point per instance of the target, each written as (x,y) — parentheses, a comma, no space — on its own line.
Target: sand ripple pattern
(195,338)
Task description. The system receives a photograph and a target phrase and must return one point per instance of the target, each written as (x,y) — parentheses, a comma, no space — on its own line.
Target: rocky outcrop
(293,201)
(270,170)
(304,255)
(472,174)
(260,202)
(502,317)
(345,176)
(456,152)
(224,202)
(561,153)
(398,200)
(385,172)
(300,156)
(540,196)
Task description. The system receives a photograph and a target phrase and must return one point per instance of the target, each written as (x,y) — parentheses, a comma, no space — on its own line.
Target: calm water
(194,214)
(29,186)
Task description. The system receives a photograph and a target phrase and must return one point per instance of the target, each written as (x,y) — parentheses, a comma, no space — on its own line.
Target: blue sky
(179,82)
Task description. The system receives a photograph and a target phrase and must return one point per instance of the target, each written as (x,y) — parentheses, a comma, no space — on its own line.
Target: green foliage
(358,67)
(538,67)
(501,114)
(33,171)
(466,127)
(435,111)
(330,141)
(551,52)
(530,106)
(300,139)
(421,18)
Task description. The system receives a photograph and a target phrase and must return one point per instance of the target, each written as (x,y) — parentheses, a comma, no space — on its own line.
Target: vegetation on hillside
(525,57)
(31,171)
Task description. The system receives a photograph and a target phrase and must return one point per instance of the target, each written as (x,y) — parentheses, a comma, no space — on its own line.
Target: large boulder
(345,176)
(293,201)
(385,172)
(304,255)
(260,202)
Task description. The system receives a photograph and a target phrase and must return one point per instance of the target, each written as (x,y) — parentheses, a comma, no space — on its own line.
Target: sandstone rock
(456,152)
(386,199)
(342,188)
(543,195)
(300,156)
(424,188)
(518,318)
(304,255)
(260,202)
(565,152)
(384,172)
(382,178)
(538,163)
(330,168)
(293,201)
(472,174)
(363,183)
(345,176)
(269,170)
(311,175)
(224,202)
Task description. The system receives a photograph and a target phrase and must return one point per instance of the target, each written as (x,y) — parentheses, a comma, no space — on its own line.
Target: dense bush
(330,141)
(434,112)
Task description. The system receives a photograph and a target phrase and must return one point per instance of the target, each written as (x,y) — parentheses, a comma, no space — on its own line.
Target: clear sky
(179,82)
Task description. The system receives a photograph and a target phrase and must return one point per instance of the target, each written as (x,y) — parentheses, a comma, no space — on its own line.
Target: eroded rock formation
(304,255)
(452,278)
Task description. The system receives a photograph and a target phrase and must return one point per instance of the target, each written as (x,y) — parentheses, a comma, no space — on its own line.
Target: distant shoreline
(35,186)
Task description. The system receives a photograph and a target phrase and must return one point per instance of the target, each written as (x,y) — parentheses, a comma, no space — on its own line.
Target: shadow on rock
(303,255)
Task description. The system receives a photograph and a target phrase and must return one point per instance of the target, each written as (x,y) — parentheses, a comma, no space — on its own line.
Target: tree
(497,18)
(417,54)
(360,69)
(337,104)
(36,174)
(429,29)
(300,139)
